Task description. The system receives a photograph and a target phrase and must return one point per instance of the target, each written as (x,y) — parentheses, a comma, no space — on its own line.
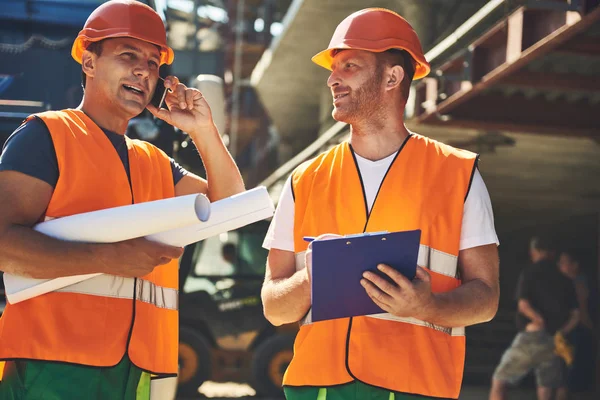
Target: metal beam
(507,126)
(265,60)
(21,103)
(553,81)
(462,30)
(582,45)
(545,45)
(572,5)
(521,109)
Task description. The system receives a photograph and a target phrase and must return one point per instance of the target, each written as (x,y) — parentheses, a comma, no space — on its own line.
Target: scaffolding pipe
(455,36)
(237,78)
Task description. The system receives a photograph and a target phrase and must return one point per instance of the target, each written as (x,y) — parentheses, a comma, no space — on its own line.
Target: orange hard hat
(123,18)
(376,30)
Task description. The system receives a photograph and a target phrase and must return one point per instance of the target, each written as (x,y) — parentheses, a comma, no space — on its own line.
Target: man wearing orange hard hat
(385,178)
(104,337)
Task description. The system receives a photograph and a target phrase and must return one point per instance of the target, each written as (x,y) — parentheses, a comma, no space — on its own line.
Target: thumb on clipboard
(308,254)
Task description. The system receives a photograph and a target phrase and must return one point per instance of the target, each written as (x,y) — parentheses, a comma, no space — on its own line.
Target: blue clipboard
(338,265)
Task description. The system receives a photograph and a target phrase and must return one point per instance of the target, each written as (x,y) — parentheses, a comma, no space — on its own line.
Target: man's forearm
(286,300)
(471,303)
(527,310)
(222,174)
(28,253)
(571,323)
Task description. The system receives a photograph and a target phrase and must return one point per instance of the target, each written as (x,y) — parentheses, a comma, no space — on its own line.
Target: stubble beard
(364,105)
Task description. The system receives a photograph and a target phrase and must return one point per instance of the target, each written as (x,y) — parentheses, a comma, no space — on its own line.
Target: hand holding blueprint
(177,221)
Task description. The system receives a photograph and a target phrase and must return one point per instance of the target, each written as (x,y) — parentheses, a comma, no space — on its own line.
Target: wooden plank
(514,42)
(553,81)
(431,92)
(426,93)
(544,46)
(508,126)
(582,45)
(494,33)
(454,66)
(419,98)
(521,109)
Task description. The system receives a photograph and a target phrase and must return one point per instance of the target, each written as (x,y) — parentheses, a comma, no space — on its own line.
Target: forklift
(224,336)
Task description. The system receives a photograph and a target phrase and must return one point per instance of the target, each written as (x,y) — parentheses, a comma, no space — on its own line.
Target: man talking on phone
(104,339)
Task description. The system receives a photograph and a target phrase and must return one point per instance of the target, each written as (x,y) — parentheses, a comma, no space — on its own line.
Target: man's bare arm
(525,308)
(26,252)
(285,292)
(583,294)
(571,323)
(475,301)
(223,177)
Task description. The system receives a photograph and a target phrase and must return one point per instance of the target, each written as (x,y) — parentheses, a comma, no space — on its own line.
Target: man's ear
(394,77)
(88,63)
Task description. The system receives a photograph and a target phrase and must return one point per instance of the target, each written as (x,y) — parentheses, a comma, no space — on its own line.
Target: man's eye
(153,64)
(129,55)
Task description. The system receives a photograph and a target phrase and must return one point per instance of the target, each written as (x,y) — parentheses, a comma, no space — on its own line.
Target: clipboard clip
(355,235)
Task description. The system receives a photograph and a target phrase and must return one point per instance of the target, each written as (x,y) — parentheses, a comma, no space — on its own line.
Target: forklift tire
(194,361)
(269,362)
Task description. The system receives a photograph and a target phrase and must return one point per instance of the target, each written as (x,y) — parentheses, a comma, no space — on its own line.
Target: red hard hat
(376,30)
(123,18)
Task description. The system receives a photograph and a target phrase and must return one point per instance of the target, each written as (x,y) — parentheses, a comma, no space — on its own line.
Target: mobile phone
(160,92)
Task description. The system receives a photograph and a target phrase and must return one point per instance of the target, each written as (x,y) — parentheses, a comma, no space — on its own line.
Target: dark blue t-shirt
(549,292)
(30,150)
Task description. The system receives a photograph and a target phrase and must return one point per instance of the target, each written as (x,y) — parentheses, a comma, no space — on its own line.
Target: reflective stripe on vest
(437,261)
(122,288)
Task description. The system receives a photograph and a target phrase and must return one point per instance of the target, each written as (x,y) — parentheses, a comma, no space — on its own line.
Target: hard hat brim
(81,42)
(325,58)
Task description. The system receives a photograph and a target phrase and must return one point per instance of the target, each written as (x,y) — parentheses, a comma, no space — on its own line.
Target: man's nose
(142,70)
(333,79)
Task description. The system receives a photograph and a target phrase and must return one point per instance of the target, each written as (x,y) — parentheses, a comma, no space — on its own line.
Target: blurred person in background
(547,306)
(230,253)
(104,337)
(581,373)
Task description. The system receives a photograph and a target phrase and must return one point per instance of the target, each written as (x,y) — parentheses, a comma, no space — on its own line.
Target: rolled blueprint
(127,222)
(223,215)
(108,226)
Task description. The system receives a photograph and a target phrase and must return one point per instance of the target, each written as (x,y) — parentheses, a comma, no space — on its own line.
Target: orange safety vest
(97,321)
(425,188)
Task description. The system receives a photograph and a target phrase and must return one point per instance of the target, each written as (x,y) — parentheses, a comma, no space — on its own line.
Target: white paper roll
(225,215)
(219,217)
(127,222)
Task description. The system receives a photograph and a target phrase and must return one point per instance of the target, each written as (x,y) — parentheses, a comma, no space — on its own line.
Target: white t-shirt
(477,224)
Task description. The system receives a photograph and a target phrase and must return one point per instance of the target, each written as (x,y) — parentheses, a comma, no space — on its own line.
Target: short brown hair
(393,57)
(96,48)
(542,243)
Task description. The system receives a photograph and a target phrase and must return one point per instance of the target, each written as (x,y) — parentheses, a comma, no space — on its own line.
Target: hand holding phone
(160,93)
(182,107)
